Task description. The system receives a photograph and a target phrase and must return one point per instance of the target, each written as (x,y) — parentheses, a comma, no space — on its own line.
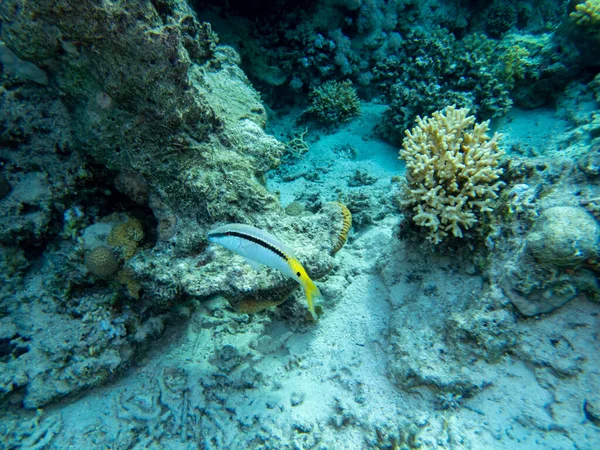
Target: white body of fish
(258,246)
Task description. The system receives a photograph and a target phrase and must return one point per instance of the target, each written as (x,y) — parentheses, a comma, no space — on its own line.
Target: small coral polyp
(451,172)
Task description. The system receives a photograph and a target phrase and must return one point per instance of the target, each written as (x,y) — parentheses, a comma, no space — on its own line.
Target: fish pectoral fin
(255,265)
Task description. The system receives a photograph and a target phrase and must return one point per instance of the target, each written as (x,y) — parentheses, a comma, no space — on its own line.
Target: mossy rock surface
(564,236)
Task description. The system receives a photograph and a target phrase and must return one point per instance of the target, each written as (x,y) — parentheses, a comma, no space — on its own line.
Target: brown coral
(127,278)
(101,262)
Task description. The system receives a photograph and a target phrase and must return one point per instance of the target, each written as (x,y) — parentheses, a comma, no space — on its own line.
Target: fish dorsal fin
(255,265)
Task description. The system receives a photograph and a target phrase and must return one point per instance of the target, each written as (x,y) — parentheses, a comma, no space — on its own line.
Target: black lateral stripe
(254,239)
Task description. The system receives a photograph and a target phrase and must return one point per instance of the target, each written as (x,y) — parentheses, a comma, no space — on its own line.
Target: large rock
(564,236)
(150,91)
(535,281)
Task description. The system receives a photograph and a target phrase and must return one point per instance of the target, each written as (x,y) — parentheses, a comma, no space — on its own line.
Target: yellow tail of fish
(312,292)
(310,289)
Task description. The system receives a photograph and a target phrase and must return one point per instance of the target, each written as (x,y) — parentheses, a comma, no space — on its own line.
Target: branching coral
(297,146)
(452,172)
(334,102)
(587,13)
(515,61)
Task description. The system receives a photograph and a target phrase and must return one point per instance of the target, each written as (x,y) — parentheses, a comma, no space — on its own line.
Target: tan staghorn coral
(451,172)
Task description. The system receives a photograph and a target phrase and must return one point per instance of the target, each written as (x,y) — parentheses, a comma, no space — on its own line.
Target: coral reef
(549,240)
(452,173)
(4,186)
(288,50)
(45,175)
(65,335)
(537,67)
(13,262)
(433,70)
(484,330)
(333,102)
(22,69)
(502,16)
(554,265)
(35,433)
(580,106)
(178,150)
(128,131)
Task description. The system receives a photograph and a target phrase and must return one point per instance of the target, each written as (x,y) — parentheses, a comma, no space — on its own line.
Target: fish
(260,248)
(346,225)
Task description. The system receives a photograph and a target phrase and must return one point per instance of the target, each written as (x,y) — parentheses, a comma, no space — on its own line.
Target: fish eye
(298,274)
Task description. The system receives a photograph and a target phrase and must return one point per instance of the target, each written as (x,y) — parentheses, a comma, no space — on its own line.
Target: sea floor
(220,380)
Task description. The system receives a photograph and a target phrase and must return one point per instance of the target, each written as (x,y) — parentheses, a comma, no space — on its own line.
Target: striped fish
(259,247)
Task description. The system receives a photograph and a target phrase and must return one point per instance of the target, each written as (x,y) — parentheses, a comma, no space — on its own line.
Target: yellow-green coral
(127,236)
(451,172)
(127,279)
(587,14)
(515,60)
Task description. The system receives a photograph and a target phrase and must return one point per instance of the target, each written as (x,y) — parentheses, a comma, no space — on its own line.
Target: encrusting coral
(451,172)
